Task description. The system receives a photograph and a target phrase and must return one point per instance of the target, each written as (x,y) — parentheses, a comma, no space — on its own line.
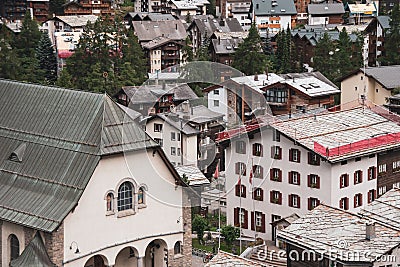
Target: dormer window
(18,153)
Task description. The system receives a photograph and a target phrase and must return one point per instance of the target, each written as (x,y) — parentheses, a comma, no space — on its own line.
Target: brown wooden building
(88,7)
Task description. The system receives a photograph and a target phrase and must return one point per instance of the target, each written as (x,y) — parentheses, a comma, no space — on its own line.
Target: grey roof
(76,21)
(326,9)
(226,46)
(65,132)
(210,25)
(313,35)
(148,30)
(290,219)
(388,76)
(224,259)
(384,21)
(193,174)
(332,230)
(34,254)
(156,42)
(175,122)
(201,114)
(158,17)
(150,93)
(385,209)
(266,8)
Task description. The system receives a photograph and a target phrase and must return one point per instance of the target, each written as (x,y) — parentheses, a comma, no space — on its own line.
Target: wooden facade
(89,7)
(388,170)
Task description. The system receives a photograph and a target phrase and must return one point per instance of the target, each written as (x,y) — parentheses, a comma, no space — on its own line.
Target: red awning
(65,54)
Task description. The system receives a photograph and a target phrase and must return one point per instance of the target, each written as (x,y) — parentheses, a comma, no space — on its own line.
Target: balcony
(170,56)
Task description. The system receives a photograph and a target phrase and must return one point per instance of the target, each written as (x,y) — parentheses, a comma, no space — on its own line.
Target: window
(14,247)
(141,195)
(216,92)
(276,152)
(371,195)
(173,151)
(258,171)
(216,103)
(258,219)
(314,181)
(276,197)
(258,194)
(294,155)
(241,147)
(396,165)
(358,177)
(275,175)
(344,203)
(173,136)
(125,196)
(157,127)
(294,178)
(276,95)
(358,200)
(178,248)
(382,168)
(240,168)
(159,141)
(276,136)
(240,190)
(294,201)
(240,217)
(110,202)
(178,135)
(257,150)
(343,162)
(382,190)
(313,159)
(371,173)
(179,151)
(344,180)
(312,203)
(357,159)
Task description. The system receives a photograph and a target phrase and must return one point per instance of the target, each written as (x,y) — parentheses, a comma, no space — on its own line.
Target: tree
(56,7)
(392,39)
(230,234)
(249,57)
(9,61)
(47,59)
(323,60)
(199,224)
(187,50)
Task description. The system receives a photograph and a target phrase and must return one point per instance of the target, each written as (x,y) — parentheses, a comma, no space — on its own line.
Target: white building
(85,186)
(332,158)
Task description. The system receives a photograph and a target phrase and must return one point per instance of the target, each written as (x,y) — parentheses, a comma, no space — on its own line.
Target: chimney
(369,230)
(256,77)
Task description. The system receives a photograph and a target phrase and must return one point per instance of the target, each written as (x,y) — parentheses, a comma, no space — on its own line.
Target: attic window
(306,86)
(283,10)
(18,153)
(315,85)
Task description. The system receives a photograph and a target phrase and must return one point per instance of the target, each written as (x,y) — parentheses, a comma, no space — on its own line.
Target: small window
(178,135)
(110,202)
(276,197)
(14,247)
(241,147)
(125,196)
(276,152)
(294,178)
(173,137)
(240,168)
(313,203)
(294,155)
(258,171)
(344,203)
(344,180)
(257,150)
(158,127)
(377,90)
(159,141)
(357,159)
(371,195)
(358,200)
(258,194)
(173,151)
(358,177)
(258,219)
(294,201)
(178,248)
(396,165)
(216,103)
(371,173)
(141,196)
(178,151)
(382,168)
(275,175)
(216,92)
(240,190)
(276,136)
(313,159)
(343,162)
(314,181)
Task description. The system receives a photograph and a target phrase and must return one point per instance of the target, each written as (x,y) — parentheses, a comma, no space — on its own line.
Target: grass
(209,248)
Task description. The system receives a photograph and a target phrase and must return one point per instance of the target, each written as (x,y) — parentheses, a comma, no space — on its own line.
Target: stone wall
(55,245)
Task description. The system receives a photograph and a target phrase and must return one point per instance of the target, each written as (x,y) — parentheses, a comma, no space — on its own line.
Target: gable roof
(387,76)
(326,9)
(76,21)
(174,121)
(148,30)
(66,133)
(210,25)
(35,254)
(226,45)
(273,8)
(225,259)
(158,41)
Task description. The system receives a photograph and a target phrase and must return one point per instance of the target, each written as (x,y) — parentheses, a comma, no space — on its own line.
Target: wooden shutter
(341,204)
(318,202)
(280,153)
(309,180)
(309,157)
(244,191)
(290,177)
(244,169)
(290,154)
(262,223)
(237,190)
(271,196)
(318,182)
(280,175)
(280,198)
(236,216)
(254,149)
(370,171)
(271,174)
(309,204)
(237,167)
(361,176)
(361,199)
(369,196)
(272,151)
(261,194)
(298,155)
(261,172)
(355,201)
(347,180)
(245,224)
(252,221)
(298,202)
(347,203)
(290,201)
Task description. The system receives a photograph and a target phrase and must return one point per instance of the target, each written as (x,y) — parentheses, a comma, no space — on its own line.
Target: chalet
(89,7)
(325,13)
(240,10)
(361,13)
(364,239)
(188,7)
(80,187)
(393,103)
(376,31)
(376,84)
(15,10)
(140,16)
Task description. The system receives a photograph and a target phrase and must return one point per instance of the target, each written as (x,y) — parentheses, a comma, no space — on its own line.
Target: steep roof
(76,21)
(210,25)
(226,45)
(388,76)
(175,122)
(326,9)
(148,30)
(384,21)
(65,133)
(273,8)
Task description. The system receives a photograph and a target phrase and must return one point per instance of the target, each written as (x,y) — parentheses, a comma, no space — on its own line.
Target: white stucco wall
(6,230)
(95,232)
(222,98)
(155,60)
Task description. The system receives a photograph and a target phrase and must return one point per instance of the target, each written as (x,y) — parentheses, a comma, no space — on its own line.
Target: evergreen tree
(56,7)
(392,39)
(343,55)
(249,57)
(187,50)
(47,59)
(323,60)
(9,61)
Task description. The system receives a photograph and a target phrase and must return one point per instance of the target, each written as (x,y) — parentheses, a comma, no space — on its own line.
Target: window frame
(157,127)
(130,192)
(12,246)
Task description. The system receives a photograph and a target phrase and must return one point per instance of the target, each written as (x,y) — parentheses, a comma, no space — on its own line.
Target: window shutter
(375,172)
(271,174)
(252,221)
(280,175)
(254,194)
(370,171)
(341,204)
(244,191)
(280,153)
(361,176)
(318,202)
(246,213)
(261,194)
(298,202)
(245,169)
(355,201)
(290,201)
(318,161)
(254,149)
(272,151)
(318,182)
(298,155)
(290,154)
(237,190)
(347,204)
(236,216)
(271,196)
(237,167)
(309,157)
(290,177)
(361,199)
(309,203)
(369,196)
(262,223)
(347,180)
(309,180)
(355,177)
(261,172)
(280,198)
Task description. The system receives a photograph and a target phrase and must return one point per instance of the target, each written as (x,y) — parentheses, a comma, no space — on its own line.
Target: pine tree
(343,55)
(392,39)
(47,59)
(187,50)
(323,60)
(56,7)
(9,61)
(249,57)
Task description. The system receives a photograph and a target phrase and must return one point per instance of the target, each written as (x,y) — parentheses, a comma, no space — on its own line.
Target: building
(385,6)
(188,7)
(223,47)
(361,13)
(364,239)
(344,159)
(139,16)
(201,29)
(240,10)
(230,260)
(80,187)
(162,41)
(376,31)
(15,10)
(153,99)
(325,13)
(89,7)
(271,16)
(393,103)
(377,84)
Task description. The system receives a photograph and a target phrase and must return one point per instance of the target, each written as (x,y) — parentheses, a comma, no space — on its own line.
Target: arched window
(178,248)
(141,196)
(125,196)
(110,202)
(14,247)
